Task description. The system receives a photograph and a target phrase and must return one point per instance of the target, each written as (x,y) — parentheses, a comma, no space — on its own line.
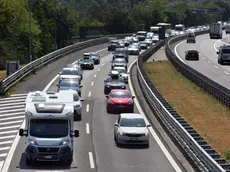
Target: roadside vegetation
(209,117)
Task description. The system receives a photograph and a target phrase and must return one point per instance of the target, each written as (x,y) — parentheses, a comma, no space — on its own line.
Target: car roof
(114,72)
(119,59)
(118,67)
(131,115)
(119,90)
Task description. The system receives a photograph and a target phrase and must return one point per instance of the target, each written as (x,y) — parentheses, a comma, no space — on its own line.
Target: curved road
(207,65)
(95,149)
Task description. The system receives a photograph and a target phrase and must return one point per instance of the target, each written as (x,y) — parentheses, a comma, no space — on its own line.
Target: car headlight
(77,106)
(131,102)
(107,86)
(120,133)
(33,142)
(64,142)
(147,133)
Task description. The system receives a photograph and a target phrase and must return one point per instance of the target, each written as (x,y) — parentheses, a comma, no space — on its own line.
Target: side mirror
(82,100)
(58,85)
(107,96)
(116,124)
(23,132)
(217,52)
(59,73)
(80,86)
(148,125)
(133,97)
(128,73)
(76,133)
(104,80)
(112,52)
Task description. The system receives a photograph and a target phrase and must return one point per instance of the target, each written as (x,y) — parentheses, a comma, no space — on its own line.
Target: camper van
(49,127)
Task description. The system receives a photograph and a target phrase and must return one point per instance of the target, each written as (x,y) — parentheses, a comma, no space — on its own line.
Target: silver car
(70,73)
(77,104)
(131,128)
(123,72)
(133,50)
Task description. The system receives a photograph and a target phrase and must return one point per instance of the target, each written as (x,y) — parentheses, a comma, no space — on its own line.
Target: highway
(95,149)
(207,65)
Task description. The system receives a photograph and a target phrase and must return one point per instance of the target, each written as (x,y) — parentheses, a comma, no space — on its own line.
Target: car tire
(117,143)
(147,145)
(68,161)
(30,161)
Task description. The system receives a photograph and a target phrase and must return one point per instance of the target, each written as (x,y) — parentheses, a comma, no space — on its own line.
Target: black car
(191,55)
(94,56)
(114,81)
(119,62)
(121,53)
(70,84)
(86,63)
(113,44)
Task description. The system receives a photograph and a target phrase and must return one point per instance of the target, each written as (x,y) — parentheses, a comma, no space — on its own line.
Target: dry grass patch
(210,118)
(2,74)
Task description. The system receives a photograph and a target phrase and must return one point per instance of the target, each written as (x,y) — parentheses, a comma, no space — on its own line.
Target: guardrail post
(1,88)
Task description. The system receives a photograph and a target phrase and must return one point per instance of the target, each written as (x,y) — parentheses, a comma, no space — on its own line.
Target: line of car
(130,127)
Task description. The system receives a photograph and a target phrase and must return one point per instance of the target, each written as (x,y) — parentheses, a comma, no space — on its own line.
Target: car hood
(121,100)
(70,76)
(115,84)
(134,130)
(133,49)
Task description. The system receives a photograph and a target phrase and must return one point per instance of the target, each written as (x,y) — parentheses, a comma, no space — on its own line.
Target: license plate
(47,157)
(134,139)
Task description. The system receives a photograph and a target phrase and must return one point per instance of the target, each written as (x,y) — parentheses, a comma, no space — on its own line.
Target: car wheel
(30,161)
(117,143)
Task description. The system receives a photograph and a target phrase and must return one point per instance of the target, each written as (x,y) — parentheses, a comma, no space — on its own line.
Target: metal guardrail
(202,154)
(102,36)
(42,61)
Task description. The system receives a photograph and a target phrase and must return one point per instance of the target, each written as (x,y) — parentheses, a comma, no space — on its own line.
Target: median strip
(210,118)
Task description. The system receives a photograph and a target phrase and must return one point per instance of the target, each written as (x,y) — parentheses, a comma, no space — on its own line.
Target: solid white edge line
(10,154)
(155,136)
(91,162)
(175,50)
(89,94)
(87,108)
(87,128)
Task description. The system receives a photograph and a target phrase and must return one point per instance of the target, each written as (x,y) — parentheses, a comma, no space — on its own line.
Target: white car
(131,128)
(70,73)
(149,41)
(155,39)
(77,104)
(123,72)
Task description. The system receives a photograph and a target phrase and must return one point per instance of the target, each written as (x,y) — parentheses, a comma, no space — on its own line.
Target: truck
(49,127)
(215,31)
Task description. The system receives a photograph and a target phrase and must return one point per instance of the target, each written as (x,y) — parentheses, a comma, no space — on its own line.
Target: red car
(119,101)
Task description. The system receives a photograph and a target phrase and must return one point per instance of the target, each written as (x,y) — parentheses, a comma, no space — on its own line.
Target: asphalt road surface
(207,65)
(95,149)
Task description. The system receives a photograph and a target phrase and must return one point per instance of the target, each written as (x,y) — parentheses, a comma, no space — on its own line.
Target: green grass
(209,117)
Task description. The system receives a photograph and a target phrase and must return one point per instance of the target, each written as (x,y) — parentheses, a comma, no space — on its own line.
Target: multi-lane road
(95,149)
(207,65)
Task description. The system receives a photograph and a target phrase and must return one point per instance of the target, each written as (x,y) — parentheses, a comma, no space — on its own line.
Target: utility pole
(30,30)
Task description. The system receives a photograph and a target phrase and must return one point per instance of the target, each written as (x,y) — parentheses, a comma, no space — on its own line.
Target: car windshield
(49,128)
(93,54)
(70,72)
(75,97)
(86,60)
(120,70)
(120,94)
(115,79)
(227,51)
(135,122)
(120,51)
(69,84)
(113,42)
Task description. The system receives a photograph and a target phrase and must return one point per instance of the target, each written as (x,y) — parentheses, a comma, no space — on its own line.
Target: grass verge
(209,117)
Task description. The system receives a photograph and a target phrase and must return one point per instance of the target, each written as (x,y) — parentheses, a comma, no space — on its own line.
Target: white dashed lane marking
(92,83)
(226,72)
(215,66)
(89,94)
(95,75)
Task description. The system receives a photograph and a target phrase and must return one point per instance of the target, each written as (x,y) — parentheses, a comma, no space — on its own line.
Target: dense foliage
(54,23)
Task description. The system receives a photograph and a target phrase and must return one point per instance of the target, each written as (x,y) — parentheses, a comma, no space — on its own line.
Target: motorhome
(180,29)
(49,127)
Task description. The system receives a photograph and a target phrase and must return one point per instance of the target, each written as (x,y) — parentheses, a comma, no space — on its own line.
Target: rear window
(193,52)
